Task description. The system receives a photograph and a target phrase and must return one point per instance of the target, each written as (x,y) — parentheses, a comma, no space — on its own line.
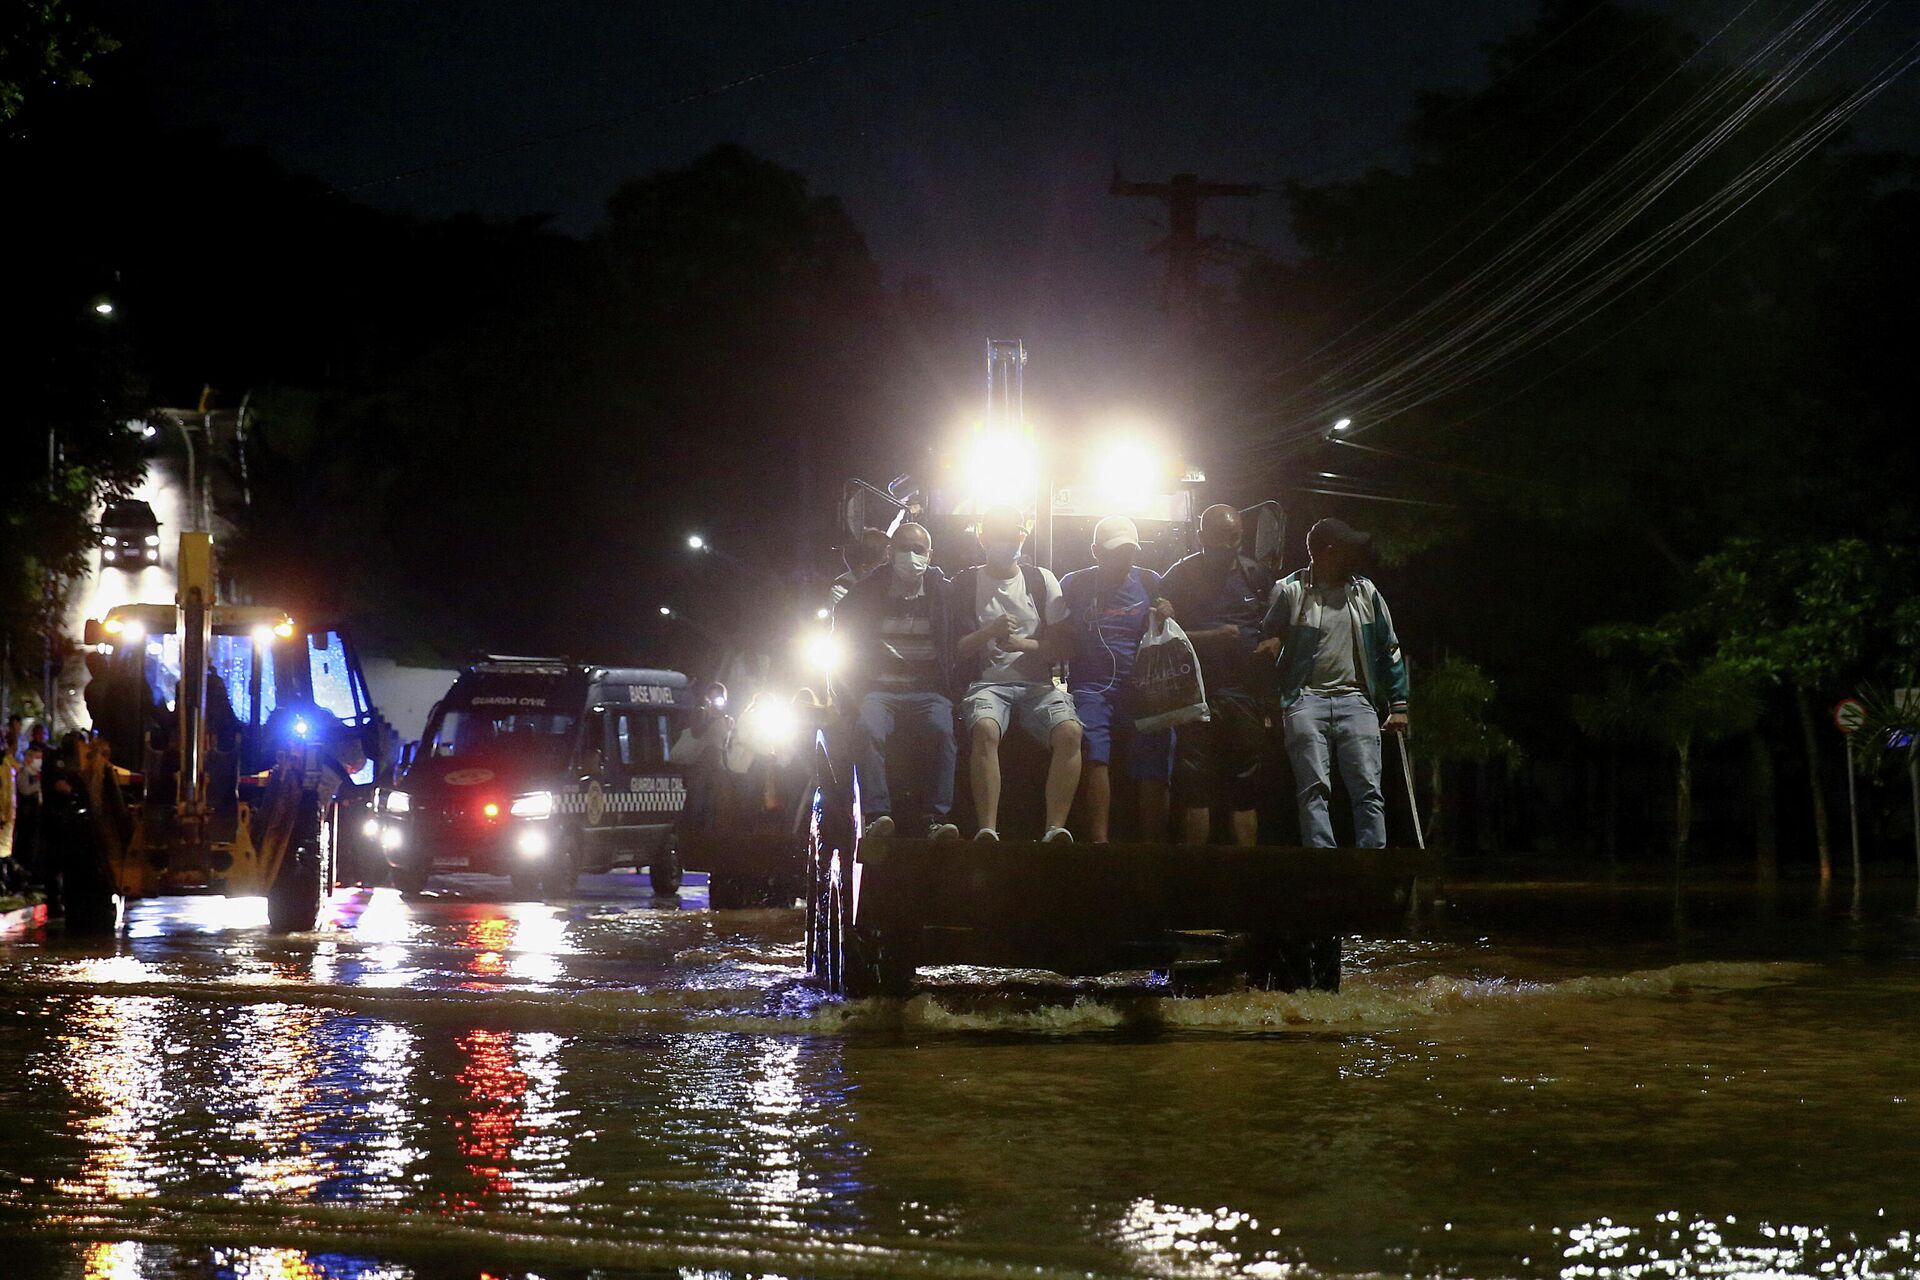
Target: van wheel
(410,881)
(664,871)
(293,903)
(563,873)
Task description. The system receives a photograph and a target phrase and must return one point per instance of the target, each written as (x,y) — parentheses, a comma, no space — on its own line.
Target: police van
(540,769)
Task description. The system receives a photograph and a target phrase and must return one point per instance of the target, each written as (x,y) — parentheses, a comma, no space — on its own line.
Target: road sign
(1849,714)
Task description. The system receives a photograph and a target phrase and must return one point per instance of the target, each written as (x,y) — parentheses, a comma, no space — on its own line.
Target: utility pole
(49,599)
(1184,246)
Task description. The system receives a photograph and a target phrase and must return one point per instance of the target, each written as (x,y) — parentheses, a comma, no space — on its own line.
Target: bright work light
(822,651)
(1127,474)
(770,726)
(1001,467)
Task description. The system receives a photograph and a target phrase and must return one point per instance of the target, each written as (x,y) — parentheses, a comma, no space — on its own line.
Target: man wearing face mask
(1220,596)
(1005,613)
(1340,679)
(1109,607)
(899,677)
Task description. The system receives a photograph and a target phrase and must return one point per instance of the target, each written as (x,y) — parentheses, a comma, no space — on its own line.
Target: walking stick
(1413,801)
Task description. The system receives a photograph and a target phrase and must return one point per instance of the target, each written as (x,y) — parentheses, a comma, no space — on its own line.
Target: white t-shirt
(993,597)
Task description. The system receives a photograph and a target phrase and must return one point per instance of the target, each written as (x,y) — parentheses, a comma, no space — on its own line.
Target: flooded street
(1553,1080)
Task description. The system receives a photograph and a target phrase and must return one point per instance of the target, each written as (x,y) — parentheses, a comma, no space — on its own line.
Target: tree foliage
(44,44)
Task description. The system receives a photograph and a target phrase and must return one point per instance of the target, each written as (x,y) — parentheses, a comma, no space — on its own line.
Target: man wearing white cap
(1108,609)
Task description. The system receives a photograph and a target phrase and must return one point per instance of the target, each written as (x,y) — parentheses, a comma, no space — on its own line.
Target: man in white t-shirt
(1003,613)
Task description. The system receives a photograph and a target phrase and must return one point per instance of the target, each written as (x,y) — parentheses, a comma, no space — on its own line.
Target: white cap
(1115,531)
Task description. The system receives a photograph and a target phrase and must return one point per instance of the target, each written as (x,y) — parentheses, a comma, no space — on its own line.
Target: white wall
(405,695)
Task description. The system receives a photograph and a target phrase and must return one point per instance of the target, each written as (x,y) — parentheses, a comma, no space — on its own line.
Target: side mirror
(91,633)
(1268,523)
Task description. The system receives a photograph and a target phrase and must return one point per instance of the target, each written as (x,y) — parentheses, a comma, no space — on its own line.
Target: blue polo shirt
(1107,626)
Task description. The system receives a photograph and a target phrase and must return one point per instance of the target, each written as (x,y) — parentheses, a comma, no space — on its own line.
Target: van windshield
(466,733)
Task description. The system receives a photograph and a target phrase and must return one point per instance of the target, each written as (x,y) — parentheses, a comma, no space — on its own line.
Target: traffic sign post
(1906,703)
(1849,714)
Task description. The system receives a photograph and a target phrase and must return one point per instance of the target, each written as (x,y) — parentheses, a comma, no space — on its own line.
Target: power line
(1555,293)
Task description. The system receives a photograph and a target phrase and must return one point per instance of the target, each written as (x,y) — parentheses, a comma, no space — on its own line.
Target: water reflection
(297,1264)
(1681,1245)
(495,1086)
(111,1059)
(525,944)
(773,1110)
(117,1260)
(659,1100)
(275,1099)
(1170,1240)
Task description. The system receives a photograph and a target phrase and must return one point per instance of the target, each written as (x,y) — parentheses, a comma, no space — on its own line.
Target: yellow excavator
(226,736)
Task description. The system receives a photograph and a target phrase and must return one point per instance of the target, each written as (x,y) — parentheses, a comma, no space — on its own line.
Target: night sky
(971,142)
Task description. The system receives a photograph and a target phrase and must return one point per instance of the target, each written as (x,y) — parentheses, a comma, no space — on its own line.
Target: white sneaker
(879,829)
(1057,835)
(987,833)
(943,831)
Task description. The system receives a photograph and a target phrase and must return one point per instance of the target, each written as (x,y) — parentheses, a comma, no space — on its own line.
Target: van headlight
(537,805)
(398,802)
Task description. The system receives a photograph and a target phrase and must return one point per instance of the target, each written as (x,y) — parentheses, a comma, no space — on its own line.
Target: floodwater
(1550,1080)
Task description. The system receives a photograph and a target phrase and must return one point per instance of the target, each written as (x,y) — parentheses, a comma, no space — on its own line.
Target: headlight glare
(537,805)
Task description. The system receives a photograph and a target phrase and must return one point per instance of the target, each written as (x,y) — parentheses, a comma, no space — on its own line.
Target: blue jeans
(1349,727)
(926,716)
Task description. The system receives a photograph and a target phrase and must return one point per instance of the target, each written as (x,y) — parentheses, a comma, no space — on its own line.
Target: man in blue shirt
(1108,610)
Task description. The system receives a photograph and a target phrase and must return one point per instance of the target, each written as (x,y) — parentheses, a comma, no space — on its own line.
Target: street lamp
(103,307)
(696,543)
(1342,425)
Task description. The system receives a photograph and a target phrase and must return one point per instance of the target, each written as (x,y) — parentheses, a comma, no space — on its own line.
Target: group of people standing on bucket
(1314,653)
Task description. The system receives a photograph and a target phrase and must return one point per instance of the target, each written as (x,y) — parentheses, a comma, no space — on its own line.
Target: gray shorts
(1042,707)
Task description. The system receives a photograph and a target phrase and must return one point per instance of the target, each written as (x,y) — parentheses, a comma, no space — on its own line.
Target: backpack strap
(1036,590)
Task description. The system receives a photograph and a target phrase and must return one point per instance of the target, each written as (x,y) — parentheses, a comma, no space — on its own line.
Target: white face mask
(911,564)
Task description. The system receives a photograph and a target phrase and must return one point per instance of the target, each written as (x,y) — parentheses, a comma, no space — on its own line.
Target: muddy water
(1553,1079)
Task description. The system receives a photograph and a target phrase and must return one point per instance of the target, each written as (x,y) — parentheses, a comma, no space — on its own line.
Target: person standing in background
(1340,680)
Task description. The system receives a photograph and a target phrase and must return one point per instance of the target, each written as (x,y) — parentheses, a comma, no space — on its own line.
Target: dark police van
(540,769)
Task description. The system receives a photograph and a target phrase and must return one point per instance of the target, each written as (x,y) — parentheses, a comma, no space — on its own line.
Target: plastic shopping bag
(1166,685)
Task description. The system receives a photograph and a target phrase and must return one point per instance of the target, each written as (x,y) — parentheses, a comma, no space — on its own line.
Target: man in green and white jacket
(1339,679)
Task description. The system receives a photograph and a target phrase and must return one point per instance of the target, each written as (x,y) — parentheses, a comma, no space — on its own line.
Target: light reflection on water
(111,1058)
(546,1088)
